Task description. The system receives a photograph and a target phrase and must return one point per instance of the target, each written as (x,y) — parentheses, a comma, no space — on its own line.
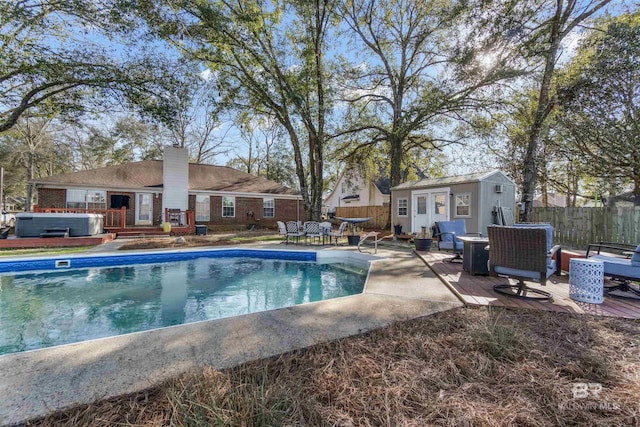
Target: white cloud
(570,45)
(206,75)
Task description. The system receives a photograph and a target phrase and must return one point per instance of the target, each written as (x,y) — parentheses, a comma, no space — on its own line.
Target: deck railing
(116,218)
(180,218)
(113,218)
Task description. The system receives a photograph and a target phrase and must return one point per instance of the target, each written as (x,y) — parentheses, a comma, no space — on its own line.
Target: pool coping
(35,383)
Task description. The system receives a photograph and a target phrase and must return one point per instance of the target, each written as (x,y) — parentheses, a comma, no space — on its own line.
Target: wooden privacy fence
(577,227)
(379,215)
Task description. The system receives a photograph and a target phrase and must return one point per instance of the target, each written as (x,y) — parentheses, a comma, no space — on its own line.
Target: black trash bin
(201,230)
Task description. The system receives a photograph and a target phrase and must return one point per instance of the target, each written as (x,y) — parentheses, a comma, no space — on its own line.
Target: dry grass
(483,366)
(217,239)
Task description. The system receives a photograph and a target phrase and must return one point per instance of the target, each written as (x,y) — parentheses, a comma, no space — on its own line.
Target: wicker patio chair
(523,253)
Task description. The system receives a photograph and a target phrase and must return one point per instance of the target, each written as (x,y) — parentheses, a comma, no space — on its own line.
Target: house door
(144,209)
(429,207)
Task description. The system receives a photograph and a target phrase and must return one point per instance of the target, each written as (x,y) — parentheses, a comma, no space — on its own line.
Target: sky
(470,158)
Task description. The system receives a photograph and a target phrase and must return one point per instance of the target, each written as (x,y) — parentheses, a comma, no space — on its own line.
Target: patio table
(474,254)
(353,220)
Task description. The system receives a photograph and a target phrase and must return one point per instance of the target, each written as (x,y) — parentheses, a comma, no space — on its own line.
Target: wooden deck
(478,290)
(54,242)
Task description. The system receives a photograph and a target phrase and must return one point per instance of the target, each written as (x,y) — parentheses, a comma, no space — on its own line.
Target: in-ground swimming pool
(108,296)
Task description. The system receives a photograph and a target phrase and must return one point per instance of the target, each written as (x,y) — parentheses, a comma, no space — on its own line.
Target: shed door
(429,206)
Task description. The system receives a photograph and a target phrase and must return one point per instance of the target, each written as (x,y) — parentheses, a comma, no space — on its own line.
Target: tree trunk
(545,106)
(395,173)
(28,204)
(317,136)
(300,172)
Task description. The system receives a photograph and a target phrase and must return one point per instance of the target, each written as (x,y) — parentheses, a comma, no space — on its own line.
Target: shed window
(463,204)
(203,208)
(228,207)
(403,207)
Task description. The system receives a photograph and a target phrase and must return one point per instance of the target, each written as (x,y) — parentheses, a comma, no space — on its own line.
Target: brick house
(221,197)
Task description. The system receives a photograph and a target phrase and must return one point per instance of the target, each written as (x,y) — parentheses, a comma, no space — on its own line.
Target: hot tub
(31,224)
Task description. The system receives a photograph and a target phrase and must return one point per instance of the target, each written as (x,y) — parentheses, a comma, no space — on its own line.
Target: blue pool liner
(14,265)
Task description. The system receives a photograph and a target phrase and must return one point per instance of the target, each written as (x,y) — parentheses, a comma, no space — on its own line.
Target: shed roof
(448,180)
(148,174)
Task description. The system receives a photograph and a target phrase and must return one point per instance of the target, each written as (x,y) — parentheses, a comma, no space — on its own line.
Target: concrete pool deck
(34,383)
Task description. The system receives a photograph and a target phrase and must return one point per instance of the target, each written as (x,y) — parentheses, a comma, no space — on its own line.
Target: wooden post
(123,217)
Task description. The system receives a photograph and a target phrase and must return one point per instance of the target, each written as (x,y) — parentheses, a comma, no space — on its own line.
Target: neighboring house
(355,188)
(11,204)
(554,200)
(472,197)
(221,197)
(624,200)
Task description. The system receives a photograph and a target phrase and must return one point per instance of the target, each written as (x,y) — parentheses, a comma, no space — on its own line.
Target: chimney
(175,179)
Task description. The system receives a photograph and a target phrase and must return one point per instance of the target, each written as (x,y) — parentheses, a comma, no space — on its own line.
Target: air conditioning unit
(499,188)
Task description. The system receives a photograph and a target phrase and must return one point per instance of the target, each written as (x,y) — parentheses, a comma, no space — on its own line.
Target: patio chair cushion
(533,275)
(445,228)
(635,258)
(618,267)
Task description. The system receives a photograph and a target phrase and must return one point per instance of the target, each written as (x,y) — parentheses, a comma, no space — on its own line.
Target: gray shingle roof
(436,182)
(148,174)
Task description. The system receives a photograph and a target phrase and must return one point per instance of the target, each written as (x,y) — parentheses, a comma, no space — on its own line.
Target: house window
(463,204)
(86,199)
(228,207)
(268,208)
(203,211)
(403,207)
(343,186)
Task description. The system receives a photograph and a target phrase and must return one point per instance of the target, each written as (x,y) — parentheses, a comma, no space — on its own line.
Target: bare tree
(197,119)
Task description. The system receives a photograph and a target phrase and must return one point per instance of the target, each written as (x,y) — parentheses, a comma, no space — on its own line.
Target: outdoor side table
(474,254)
(586,280)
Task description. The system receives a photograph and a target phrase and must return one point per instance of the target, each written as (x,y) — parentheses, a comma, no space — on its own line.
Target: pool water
(44,309)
